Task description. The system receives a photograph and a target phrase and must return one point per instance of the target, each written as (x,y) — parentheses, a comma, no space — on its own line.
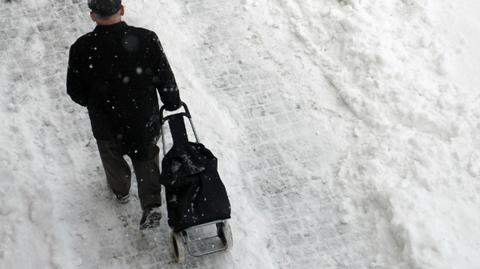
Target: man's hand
(173,107)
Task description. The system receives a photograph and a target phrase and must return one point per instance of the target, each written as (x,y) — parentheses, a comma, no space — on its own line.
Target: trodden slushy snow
(346,133)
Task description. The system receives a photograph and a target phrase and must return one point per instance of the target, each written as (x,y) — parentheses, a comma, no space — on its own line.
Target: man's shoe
(122,199)
(151,218)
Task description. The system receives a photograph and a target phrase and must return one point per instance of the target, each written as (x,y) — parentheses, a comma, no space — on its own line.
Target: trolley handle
(165,119)
(182,104)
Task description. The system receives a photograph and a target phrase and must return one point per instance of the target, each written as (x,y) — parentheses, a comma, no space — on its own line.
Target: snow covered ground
(346,133)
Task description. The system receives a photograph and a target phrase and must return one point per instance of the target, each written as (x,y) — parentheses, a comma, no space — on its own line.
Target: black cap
(105,8)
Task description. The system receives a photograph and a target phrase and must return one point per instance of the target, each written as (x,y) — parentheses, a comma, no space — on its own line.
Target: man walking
(115,71)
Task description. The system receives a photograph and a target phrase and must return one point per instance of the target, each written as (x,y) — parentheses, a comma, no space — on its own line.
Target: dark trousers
(119,175)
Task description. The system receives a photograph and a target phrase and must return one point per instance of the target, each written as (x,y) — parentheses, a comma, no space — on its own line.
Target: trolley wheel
(225,234)
(179,247)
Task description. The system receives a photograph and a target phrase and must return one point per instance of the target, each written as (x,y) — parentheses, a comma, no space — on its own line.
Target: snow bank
(408,72)
(413,172)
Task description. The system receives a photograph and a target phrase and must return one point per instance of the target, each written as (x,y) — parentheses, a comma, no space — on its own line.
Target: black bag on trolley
(194,191)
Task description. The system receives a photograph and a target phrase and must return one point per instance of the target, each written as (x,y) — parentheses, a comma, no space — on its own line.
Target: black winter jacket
(115,71)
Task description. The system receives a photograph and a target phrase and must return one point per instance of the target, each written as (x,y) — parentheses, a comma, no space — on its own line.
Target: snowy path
(328,149)
(284,212)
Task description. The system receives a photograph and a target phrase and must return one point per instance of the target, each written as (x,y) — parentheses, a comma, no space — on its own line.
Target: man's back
(115,71)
